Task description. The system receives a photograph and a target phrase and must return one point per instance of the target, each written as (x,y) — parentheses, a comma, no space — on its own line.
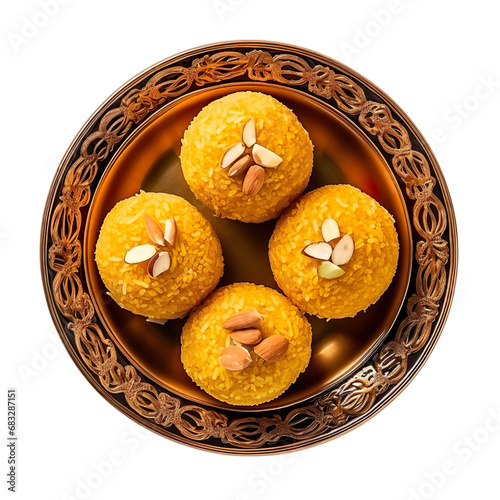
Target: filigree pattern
(329,411)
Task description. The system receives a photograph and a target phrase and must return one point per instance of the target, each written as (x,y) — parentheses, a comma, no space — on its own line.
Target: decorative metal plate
(319,418)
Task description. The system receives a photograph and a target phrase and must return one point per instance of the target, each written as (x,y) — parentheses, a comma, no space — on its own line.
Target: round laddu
(196,256)
(217,127)
(368,273)
(203,339)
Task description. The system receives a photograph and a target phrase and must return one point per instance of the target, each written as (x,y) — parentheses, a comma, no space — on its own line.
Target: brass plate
(361,137)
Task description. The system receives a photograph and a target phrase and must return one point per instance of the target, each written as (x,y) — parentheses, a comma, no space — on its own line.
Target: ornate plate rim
(369,390)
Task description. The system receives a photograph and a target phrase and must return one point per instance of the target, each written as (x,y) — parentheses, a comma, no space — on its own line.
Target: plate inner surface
(149,161)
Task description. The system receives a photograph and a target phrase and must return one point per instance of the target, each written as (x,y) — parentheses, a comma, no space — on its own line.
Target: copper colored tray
(361,137)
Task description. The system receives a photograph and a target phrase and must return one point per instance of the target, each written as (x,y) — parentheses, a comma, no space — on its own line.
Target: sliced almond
(153,230)
(240,321)
(320,250)
(158,264)
(151,263)
(235,358)
(329,270)
(139,253)
(170,231)
(249,134)
(272,348)
(251,336)
(265,157)
(240,166)
(343,250)
(254,180)
(156,321)
(232,154)
(330,229)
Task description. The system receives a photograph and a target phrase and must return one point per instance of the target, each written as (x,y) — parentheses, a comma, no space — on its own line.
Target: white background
(432,58)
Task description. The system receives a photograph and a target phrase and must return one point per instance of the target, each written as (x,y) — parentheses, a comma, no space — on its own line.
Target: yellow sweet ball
(195,259)
(204,338)
(217,127)
(358,283)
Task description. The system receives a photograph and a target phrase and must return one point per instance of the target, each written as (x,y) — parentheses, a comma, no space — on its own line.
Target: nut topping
(139,254)
(343,250)
(153,230)
(156,321)
(330,229)
(240,166)
(254,180)
(251,336)
(329,270)
(247,155)
(158,264)
(170,231)
(235,358)
(320,250)
(265,157)
(151,263)
(232,154)
(244,331)
(249,134)
(324,251)
(272,348)
(242,320)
